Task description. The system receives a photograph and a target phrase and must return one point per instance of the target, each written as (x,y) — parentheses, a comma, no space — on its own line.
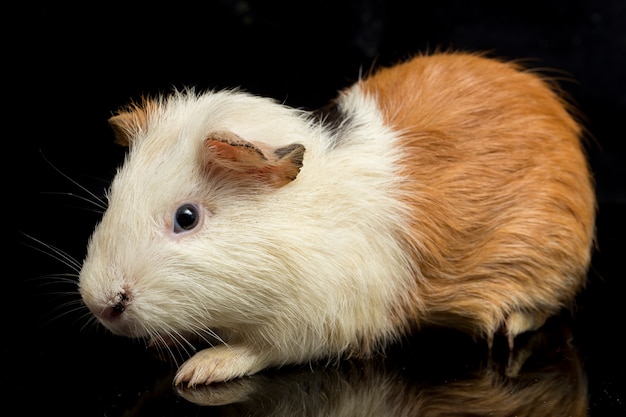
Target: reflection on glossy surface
(542,377)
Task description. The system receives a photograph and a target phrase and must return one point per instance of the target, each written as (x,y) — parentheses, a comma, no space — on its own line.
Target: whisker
(182,342)
(55,279)
(97,201)
(72,309)
(205,334)
(91,322)
(98,210)
(54,252)
(76,305)
(163,347)
(59,291)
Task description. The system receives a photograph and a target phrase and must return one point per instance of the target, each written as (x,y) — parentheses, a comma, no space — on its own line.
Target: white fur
(285,275)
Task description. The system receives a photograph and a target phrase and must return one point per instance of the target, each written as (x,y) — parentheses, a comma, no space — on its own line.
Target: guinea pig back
(451,189)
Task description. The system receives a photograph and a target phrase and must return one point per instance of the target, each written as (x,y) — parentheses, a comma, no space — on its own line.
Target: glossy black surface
(70,67)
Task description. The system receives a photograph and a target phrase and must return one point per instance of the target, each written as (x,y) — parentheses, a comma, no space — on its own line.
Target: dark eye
(186,218)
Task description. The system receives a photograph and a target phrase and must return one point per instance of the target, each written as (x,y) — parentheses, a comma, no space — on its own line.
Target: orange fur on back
(502,200)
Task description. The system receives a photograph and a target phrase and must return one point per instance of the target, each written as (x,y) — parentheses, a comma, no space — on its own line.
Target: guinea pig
(451,189)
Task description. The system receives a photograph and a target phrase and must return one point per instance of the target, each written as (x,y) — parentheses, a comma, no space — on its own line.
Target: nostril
(118,308)
(115,310)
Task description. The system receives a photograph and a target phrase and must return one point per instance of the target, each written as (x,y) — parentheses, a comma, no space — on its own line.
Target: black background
(67,68)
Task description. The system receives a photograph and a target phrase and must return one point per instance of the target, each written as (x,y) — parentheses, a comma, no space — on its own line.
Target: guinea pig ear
(274,166)
(127,123)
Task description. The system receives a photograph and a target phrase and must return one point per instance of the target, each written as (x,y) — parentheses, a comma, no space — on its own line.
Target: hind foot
(519,322)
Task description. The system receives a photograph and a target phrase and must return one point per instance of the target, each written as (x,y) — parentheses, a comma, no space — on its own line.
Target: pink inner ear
(239,156)
(275,167)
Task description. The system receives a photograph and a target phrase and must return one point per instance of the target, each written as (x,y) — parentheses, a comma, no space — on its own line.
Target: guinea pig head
(166,260)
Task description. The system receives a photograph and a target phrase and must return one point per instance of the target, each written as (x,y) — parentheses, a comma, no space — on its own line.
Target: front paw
(218,364)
